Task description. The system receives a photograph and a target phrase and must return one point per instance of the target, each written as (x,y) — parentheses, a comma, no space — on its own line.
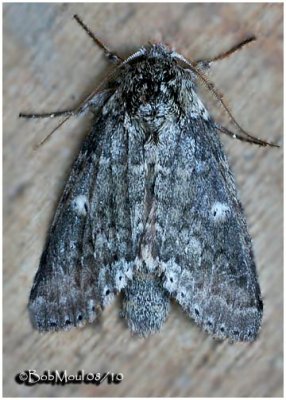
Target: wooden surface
(50,64)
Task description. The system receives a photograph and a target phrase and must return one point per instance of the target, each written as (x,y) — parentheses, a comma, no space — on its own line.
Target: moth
(150,209)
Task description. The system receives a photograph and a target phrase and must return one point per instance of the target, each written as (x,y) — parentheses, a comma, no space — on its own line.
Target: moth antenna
(108,53)
(228,132)
(227,53)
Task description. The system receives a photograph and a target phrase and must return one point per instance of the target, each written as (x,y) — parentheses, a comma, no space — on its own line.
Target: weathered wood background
(50,64)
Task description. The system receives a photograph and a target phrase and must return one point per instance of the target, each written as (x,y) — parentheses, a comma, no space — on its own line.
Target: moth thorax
(153,115)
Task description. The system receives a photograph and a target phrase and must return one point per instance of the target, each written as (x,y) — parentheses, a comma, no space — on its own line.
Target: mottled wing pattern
(205,249)
(89,246)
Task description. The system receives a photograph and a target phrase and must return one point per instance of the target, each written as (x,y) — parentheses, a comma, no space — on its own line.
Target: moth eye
(93,308)
(79,318)
(120,278)
(222,329)
(107,292)
(171,279)
(183,294)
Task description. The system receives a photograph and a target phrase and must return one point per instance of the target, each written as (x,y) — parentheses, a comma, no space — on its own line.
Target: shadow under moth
(150,208)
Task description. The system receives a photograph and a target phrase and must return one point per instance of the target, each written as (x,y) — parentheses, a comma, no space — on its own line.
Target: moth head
(152,85)
(152,51)
(149,69)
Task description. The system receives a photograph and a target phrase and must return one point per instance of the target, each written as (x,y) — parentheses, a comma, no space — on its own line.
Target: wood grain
(50,64)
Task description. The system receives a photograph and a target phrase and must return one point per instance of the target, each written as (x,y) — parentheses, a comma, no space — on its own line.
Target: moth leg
(248,138)
(49,115)
(67,114)
(110,55)
(94,101)
(205,64)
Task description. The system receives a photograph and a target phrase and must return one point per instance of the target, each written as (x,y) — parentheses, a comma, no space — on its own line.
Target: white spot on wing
(220,211)
(80,204)
(108,296)
(123,272)
(91,310)
(172,272)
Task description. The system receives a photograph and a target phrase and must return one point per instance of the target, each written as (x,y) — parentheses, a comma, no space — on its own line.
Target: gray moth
(150,210)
